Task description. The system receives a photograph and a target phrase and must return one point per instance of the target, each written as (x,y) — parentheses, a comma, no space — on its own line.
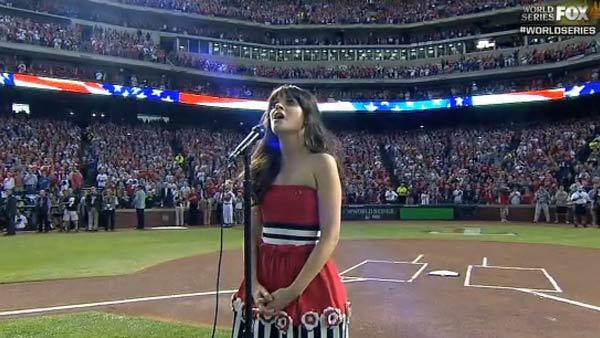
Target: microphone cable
(216,317)
(220,262)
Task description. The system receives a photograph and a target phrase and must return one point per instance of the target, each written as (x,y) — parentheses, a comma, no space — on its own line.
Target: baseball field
(515,280)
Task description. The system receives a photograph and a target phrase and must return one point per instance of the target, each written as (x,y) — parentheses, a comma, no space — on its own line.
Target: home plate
(443,273)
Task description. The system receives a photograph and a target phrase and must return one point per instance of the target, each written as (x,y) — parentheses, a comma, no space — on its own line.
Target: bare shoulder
(323,161)
(324,169)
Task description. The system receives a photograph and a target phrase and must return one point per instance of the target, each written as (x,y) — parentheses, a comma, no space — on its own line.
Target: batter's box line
(350,279)
(561,299)
(552,281)
(414,261)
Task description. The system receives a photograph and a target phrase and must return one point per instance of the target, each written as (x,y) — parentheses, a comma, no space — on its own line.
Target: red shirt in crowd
(76,180)
(527,198)
(504,198)
(194,198)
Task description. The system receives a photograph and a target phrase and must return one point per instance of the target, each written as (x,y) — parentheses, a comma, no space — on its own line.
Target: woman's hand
(261,296)
(281,298)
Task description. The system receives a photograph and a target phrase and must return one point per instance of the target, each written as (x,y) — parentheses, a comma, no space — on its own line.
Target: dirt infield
(505,290)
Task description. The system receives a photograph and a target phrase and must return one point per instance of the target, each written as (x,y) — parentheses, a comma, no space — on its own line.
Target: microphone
(255,134)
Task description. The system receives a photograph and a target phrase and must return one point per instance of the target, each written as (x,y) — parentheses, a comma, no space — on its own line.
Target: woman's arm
(260,295)
(330,205)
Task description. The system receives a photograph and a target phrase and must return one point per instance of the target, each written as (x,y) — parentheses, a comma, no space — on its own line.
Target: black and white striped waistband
(290,234)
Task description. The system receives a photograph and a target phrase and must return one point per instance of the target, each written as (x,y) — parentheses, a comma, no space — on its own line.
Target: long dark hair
(266,159)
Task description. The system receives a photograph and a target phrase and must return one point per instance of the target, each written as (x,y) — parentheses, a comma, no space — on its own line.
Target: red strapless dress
(290,218)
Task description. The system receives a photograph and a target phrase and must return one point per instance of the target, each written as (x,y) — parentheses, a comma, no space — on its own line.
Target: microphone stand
(244,148)
(247,246)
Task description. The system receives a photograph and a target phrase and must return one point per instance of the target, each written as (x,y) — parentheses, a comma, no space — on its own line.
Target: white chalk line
(345,279)
(413,277)
(415,261)
(508,288)
(374,279)
(536,292)
(484,264)
(353,267)
(552,281)
(468,275)
(352,279)
(389,262)
(111,302)
(561,299)
(507,267)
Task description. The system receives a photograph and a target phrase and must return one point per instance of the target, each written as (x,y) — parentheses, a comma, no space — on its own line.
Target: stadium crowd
(186,168)
(462,64)
(137,45)
(331,12)
(122,76)
(511,165)
(241,35)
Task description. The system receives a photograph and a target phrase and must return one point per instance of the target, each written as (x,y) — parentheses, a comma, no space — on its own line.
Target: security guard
(402,193)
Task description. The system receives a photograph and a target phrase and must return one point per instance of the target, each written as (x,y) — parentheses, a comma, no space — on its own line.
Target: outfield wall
(379,212)
(386,212)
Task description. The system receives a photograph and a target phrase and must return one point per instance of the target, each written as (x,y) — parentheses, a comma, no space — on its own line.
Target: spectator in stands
(101,179)
(11,212)
(560,199)
(425,197)
(139,203)
(595,201)
(239,208)
(180,206)
(515,196)
(94,206)
(542,201)
(193,201)
(206,208)
(110,202)
(30,180)
(71,207)
(228,200)
(458,195)
(76,179)
(84,221)
(329,12)
(43,207)
(391,196)
(503,200)
(20,221)
(580,200)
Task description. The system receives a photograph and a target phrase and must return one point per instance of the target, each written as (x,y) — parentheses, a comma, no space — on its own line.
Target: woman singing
(295,225)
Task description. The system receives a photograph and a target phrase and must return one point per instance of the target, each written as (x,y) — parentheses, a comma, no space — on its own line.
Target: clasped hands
(269,304)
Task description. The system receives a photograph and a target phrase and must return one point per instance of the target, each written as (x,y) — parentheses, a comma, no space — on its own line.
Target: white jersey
(101,180)
(228,198)
(580,198)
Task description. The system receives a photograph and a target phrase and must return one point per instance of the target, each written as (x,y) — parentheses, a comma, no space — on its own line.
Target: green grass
(59,255)
(558,235)
(39,257)
(42,257)
(101,325)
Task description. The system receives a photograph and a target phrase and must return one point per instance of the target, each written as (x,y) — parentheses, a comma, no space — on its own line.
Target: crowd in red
(479,162)
(330,12)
